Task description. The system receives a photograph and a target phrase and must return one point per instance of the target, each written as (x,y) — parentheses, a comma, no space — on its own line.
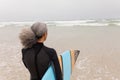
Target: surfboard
(67,61)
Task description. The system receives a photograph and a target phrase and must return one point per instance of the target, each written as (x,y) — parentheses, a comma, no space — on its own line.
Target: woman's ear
(43,38)
(45,35)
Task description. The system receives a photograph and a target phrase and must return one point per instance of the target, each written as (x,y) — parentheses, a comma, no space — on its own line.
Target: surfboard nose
(76,53)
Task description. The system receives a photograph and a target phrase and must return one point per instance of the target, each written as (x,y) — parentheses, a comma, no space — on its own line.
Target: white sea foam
(10,24)
(2,25)
(85,23)
(68,23)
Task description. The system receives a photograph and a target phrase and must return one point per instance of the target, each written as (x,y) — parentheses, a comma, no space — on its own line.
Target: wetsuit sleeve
(23,52)
(56,66)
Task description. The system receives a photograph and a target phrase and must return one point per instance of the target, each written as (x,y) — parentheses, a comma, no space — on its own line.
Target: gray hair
(29,36)
(39,29)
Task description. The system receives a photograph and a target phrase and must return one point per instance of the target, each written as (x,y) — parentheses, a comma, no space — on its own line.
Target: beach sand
(98,59)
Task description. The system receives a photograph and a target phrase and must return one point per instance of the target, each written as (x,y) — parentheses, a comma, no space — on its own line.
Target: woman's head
(30,36)
(39,29)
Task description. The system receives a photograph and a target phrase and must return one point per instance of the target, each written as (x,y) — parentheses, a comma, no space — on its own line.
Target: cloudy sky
(30,10)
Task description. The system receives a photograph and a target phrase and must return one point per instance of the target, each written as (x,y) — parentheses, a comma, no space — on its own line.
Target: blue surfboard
(67,60)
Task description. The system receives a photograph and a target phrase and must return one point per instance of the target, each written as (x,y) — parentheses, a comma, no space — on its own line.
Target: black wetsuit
(37,60)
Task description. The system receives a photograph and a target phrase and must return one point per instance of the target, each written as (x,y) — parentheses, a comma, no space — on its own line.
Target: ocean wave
(10,24)
(67,23)
(85,23)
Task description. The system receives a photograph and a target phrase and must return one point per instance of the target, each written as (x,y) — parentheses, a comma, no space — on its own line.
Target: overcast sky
(30,10)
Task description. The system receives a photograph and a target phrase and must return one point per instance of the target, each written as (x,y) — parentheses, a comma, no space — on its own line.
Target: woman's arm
(23,52)
(56,66)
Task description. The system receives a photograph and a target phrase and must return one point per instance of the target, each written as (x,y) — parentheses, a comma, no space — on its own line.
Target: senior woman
(35,55)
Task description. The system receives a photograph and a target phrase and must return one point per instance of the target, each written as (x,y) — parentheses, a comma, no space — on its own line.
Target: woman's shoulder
(26,50)
(52,51)
(49,49)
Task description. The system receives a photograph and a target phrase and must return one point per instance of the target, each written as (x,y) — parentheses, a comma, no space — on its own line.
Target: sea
(104,22)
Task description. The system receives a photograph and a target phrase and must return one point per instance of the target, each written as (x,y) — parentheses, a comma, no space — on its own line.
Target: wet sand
(98,60)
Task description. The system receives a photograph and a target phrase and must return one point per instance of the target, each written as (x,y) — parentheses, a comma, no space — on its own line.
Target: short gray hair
(29,36)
